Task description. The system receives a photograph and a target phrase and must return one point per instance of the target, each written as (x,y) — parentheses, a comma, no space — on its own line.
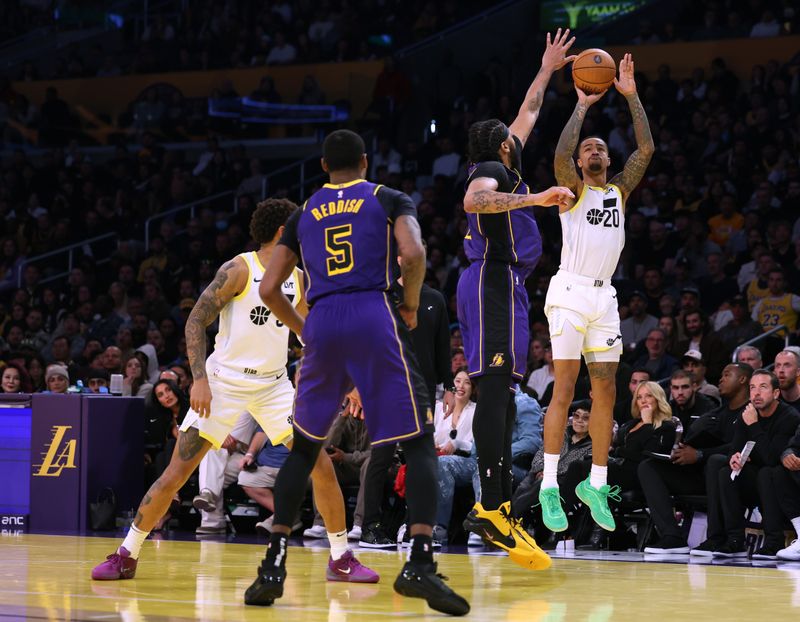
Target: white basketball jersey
(250,339)
(594,233)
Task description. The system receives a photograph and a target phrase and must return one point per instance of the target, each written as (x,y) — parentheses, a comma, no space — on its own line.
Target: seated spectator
(751,356)
(736,324)
(777,307)
(668,324)
(650,430)
(526,437)
(135,383)
(786,480)
(15,379)
(694,363)
(717,287)
(453,439)
(97,380)
(540,382)
(787,370)
(699,337)
(219,469)
(576,447)
(635,327)
(112,360)
(36,369)
(690,470)
(149,361)
(656,361)
(57,379)
(686,402)
(349,449)
(259,470)
(770,424)
(622,408)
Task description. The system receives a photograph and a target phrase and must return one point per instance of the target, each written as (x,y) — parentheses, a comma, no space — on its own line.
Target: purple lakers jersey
(510,237)
(343,235)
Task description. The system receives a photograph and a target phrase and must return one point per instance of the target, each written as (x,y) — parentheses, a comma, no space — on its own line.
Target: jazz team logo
(59,454)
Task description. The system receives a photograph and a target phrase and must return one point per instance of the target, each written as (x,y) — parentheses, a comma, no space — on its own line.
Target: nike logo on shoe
(345,571)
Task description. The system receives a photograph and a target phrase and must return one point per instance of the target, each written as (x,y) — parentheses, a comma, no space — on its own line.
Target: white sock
(599,476)
(796,525)
(549,480)
(133,541)
(338,542)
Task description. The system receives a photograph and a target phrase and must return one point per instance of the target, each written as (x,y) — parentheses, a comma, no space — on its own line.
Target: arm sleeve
(492,170)
(289,237)
(396,203)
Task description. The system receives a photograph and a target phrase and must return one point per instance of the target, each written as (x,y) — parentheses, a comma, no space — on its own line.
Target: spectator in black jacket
(687,403)
(770,424)
(687,472)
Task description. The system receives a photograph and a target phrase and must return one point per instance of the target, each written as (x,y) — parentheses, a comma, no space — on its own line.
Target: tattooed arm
(637,163)
(554,58)
(482,197)
(231,278)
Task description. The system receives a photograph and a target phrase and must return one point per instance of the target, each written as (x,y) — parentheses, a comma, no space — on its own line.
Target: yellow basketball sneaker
(498,527)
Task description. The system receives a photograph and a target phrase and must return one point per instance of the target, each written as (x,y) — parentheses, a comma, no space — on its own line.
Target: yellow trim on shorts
(480,315)
(282,437)
(215,444)
(408,382)
(308,434)
(246,289)
(606,349)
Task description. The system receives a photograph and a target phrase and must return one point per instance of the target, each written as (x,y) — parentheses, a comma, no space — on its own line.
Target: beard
(595,167)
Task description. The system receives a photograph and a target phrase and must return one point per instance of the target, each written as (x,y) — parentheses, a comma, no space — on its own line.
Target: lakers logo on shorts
(498,360)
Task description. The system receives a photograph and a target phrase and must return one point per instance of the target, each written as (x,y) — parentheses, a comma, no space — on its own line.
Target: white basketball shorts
(268,399)
(584,318)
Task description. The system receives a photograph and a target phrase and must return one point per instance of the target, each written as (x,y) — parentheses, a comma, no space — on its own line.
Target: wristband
(248,454)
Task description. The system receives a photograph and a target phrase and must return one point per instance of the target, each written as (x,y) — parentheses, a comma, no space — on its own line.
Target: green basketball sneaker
(552,512)
(597,501)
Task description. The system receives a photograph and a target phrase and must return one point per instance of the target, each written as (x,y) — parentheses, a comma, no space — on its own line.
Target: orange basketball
(593,71)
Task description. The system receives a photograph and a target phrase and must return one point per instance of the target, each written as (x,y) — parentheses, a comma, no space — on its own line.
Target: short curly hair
(270,215)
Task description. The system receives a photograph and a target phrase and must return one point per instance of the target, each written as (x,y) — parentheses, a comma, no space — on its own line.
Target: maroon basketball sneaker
(348,568)
(119,565)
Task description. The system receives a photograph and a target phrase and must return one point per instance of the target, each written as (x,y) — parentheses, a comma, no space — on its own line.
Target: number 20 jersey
(344,237)
(593,232)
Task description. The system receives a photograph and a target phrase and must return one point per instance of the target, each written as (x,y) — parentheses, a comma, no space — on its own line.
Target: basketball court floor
(45,577)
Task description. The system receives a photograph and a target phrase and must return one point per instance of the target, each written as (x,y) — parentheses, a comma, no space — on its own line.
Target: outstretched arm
(482,197)
(566,174)
(637,163)
(554,58)
(230,279)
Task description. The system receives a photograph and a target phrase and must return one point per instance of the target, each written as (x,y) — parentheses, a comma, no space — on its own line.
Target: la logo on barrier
(58,456)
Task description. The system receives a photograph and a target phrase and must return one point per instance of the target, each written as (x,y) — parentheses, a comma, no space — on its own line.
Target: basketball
(593,71)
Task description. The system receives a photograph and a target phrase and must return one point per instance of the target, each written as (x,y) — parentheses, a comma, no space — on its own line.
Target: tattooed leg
(189,451)
(604,392)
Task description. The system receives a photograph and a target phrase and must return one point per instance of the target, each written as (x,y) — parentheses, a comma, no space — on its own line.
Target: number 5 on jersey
(339,248)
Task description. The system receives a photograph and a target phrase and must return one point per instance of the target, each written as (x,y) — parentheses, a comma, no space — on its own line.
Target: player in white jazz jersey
(246,372)
(581,304)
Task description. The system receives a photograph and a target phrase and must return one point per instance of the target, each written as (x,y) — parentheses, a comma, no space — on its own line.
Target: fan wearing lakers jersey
(245,373)
(581,304)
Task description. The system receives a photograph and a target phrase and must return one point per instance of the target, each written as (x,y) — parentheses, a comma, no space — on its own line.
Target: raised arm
(564,165)
(482,197)
(554,58)
(230,279)
(637,163)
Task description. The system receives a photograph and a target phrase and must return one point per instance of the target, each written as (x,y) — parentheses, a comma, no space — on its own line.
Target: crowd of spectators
(712,256)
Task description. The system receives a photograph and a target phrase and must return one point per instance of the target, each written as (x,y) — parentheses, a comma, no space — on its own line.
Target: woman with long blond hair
(650,431)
